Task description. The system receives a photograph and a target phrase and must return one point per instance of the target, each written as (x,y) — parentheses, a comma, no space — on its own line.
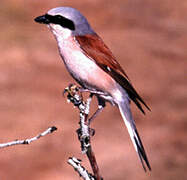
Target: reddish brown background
(149,38)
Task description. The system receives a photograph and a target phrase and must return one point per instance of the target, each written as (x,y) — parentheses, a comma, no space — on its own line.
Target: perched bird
(93,66)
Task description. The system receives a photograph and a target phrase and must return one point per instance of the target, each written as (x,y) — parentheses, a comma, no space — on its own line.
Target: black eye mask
(57,19)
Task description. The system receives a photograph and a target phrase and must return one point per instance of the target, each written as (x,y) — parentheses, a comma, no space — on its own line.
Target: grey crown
(82,26)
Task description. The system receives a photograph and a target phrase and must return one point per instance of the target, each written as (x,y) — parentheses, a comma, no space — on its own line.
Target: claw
(73,94)
(72,89)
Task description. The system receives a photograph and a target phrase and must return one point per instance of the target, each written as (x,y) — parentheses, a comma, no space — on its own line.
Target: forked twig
(80,169)
(74,95)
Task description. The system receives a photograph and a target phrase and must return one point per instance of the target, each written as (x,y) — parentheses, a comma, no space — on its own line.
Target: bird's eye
(58,17)
(66,23)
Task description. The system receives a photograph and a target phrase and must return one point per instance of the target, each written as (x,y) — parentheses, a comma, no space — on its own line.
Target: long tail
(125,111)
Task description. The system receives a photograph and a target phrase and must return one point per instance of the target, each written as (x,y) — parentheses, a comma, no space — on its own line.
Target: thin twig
(80,169)
(28,141)
(92,159)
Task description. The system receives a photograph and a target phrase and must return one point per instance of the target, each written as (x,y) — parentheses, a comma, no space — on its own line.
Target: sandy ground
(149,39)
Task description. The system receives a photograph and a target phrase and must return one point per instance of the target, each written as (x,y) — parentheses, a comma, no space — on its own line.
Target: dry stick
(80,169)
(90,154)
(28,141)
(84,132)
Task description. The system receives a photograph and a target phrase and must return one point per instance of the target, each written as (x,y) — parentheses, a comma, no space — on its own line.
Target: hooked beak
(42,19)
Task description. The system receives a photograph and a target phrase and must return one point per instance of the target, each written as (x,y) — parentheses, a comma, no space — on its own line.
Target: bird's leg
(91,91)
(101,105)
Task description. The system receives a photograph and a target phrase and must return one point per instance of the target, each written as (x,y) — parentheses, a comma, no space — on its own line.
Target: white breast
(77,63)
(83,69)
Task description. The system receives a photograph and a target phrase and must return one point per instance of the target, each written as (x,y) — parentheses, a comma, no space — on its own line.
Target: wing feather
(94,47)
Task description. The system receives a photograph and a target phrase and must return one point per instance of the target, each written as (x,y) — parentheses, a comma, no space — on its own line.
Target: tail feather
(131,127)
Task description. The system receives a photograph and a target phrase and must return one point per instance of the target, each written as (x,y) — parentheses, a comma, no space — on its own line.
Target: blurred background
(149,39)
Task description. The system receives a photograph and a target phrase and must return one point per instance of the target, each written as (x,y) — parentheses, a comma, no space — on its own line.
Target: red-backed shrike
(93,66)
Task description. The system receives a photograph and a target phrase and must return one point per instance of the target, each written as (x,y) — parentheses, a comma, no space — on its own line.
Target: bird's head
(65,21)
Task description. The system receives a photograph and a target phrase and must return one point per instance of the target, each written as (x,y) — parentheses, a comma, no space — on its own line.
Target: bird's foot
(74,94)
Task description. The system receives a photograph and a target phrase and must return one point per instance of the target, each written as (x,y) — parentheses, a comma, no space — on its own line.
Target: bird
(92,64)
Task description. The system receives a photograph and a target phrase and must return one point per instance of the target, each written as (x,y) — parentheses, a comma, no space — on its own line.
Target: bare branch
(80,169)
(84,132)
(28,141)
